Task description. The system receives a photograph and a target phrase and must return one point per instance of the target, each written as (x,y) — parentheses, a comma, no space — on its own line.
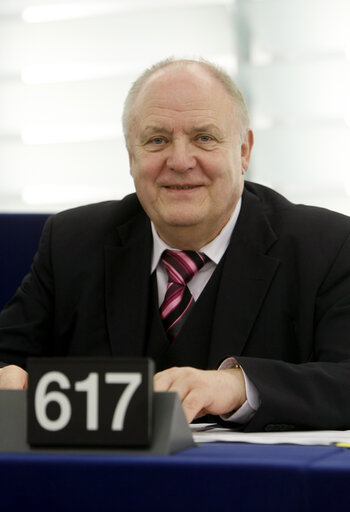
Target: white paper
(211,433)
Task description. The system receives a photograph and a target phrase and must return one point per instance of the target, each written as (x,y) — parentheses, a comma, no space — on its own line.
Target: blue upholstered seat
(19,237)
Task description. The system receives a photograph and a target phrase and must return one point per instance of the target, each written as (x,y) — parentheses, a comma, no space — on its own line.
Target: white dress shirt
(215,251)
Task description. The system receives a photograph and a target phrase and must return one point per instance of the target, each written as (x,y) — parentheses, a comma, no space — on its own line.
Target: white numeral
(133,380)
(42,399)
(90,386)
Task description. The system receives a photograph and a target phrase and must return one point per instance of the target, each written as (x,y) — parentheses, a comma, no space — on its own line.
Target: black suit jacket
(283,305)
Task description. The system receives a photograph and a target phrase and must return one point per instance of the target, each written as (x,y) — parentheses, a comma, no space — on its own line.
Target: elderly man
(240,297)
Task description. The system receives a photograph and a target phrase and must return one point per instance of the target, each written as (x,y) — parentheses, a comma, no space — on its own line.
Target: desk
(237,477)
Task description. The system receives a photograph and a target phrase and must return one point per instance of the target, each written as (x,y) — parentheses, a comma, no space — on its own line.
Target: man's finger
(13,377)
(192,404)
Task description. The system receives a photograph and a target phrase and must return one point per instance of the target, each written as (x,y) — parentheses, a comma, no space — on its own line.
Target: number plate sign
(89,402)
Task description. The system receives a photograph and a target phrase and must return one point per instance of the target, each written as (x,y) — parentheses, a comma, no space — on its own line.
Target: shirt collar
(214,250)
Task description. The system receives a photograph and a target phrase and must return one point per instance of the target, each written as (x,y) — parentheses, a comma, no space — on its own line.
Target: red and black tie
(181,266)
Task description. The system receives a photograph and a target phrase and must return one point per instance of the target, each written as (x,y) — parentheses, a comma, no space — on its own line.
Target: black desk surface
(238,477)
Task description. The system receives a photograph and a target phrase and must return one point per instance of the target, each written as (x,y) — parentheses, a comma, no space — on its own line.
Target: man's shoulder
(283,213)
(297,228)
(116,212)
(97,223)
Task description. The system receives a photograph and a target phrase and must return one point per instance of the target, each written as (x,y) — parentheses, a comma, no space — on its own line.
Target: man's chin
(181,221)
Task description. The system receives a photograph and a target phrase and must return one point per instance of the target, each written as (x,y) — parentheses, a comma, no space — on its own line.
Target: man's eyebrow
(207,128)
(149,130)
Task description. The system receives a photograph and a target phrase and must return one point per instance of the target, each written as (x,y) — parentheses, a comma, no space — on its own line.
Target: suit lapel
(127,290)
(246,276)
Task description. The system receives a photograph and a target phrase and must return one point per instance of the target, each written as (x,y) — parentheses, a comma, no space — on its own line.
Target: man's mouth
(182,187)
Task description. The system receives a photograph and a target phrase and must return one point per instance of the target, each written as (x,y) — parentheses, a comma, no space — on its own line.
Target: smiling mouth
(184,187)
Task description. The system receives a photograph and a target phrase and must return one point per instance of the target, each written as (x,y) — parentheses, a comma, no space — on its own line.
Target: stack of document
(213,433)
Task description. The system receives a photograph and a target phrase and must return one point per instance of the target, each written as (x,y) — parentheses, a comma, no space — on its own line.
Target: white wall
(295,71)
(65,68)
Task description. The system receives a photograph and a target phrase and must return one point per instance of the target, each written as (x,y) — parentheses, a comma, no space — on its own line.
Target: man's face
(186,154)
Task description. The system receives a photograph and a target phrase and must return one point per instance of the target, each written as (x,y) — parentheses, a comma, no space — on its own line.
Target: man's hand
(13,377)
(204,391)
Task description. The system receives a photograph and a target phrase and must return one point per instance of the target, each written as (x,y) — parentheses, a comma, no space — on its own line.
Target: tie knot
(183,265)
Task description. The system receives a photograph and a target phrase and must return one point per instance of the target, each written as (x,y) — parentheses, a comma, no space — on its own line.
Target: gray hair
(211,68)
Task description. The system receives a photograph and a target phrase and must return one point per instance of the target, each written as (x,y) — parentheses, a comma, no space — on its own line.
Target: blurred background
(65,68)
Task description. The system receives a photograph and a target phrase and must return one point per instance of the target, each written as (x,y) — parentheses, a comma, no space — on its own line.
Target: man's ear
(246,149)
(130,162)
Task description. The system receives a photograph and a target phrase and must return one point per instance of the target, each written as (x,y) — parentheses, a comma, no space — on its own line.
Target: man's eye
(157,141)
(205,138)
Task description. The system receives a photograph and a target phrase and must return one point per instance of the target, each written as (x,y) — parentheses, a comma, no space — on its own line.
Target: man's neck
(214,249)
(188,238)
(192,237)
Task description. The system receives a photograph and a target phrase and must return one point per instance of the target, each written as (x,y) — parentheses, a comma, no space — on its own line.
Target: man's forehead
(200,117)
(180,96)
(177,97)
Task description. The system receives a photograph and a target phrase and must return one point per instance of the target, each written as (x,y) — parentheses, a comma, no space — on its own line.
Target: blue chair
(19,237)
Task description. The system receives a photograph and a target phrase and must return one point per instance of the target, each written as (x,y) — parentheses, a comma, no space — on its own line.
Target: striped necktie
(181,266)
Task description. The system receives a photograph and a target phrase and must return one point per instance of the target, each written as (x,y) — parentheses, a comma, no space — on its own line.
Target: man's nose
(181,157)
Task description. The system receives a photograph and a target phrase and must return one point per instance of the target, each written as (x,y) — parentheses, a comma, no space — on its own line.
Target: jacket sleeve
(313,394)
